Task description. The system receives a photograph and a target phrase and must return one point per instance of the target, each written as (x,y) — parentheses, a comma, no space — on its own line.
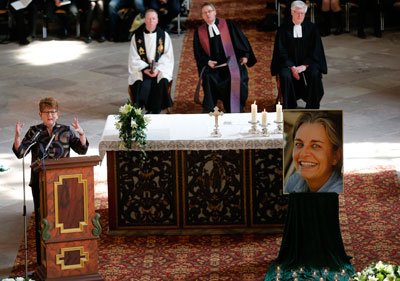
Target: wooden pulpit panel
(69,245)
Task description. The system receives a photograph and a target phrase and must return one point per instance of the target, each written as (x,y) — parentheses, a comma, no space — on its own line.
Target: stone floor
(90,82)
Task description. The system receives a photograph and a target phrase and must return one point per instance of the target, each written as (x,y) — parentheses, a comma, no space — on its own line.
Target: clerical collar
(212,28)
(148,32)
(297,31)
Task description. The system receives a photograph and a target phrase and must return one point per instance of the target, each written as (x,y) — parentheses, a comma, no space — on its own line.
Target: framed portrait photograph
(313,150)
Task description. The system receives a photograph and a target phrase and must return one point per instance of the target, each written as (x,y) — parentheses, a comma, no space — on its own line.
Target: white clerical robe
(165,63)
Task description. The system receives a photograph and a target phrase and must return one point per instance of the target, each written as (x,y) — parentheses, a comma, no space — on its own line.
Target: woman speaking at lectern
(53,141)
(317,153)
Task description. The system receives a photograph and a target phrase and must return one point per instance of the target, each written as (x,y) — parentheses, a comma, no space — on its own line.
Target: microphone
(47,148)
(35,137)
(48,145)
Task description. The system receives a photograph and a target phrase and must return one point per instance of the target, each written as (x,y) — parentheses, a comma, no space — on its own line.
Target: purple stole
(230,54)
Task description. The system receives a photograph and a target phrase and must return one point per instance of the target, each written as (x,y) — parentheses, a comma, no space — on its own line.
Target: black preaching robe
(290,51)
(217,82)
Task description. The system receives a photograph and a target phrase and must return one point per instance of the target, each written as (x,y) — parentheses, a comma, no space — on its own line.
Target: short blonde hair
(48,102)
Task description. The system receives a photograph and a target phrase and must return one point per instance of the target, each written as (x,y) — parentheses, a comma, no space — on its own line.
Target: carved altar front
(189,183)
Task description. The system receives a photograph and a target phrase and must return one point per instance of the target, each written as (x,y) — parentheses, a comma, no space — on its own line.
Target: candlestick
(264,130)
(264,118)
(254,112)
(278,129)
(279,112)
(253,130)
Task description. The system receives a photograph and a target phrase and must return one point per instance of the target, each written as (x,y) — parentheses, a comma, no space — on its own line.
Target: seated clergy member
(151,64)
(222,52)
(64,139)
(299,59)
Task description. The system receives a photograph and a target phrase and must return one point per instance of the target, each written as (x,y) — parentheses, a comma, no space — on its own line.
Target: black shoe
(339,30)
(378,33)
(24,42)
(101,39)
(87,39)
(361,34)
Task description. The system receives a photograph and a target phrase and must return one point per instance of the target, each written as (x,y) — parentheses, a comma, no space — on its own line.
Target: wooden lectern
(70,228)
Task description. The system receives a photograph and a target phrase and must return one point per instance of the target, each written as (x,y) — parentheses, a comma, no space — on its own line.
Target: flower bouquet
(131,126)
(379,272)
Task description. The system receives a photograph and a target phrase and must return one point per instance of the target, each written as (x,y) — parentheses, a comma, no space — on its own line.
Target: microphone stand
(24,209)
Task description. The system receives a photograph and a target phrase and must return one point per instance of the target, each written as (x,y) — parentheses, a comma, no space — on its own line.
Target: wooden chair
(278,90)
(169,109)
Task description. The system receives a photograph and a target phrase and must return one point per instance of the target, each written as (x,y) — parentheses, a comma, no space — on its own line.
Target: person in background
(373,7)
(151,65)
(139,19)
(331,8)
(167,11)
(299,60)
(65,138)
(222,53)
(91,7)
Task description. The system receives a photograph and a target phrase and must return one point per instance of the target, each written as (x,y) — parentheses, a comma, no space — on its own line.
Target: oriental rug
(262,86)
(369,217)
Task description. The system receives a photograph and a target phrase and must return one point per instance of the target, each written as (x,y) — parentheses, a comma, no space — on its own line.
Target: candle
(254,112)
(279,112)
(264,118)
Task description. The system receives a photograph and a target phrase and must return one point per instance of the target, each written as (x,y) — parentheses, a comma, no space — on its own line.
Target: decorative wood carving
(69,247)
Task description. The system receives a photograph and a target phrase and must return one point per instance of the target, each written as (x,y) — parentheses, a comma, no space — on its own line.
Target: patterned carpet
(369,216)
(262,87)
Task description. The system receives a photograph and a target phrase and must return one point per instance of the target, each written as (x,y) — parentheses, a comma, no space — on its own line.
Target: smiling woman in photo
(317,153)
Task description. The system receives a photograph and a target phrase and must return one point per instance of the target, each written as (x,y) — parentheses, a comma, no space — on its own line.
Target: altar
(192,181)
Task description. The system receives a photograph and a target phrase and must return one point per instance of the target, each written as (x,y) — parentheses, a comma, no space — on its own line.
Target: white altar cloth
(193,132)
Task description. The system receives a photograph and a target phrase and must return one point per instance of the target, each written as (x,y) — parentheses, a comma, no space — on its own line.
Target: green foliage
(379,272)
(131,126)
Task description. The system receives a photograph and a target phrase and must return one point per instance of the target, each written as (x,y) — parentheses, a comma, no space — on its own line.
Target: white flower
(8,279)
(133,124)
(388,268)
(390,277)
(379,266)
(19,279)
(125,109)
(369,271)
(138,111)
(373,278)
(118,125)
(147,119)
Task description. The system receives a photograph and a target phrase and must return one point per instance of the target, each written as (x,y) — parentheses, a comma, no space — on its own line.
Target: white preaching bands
(212,28)
(297,31)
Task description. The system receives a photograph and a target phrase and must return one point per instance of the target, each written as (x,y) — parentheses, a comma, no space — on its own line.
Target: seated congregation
(113,20)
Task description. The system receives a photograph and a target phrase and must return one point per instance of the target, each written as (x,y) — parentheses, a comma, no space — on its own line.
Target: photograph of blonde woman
(313,151)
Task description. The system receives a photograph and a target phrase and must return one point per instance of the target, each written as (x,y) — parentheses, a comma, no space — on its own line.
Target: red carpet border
(369,216)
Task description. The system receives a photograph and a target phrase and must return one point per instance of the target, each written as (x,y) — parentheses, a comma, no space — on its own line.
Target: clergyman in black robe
(215,75)
(299,59)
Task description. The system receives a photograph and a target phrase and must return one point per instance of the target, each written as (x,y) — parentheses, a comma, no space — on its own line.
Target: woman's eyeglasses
(53,112)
